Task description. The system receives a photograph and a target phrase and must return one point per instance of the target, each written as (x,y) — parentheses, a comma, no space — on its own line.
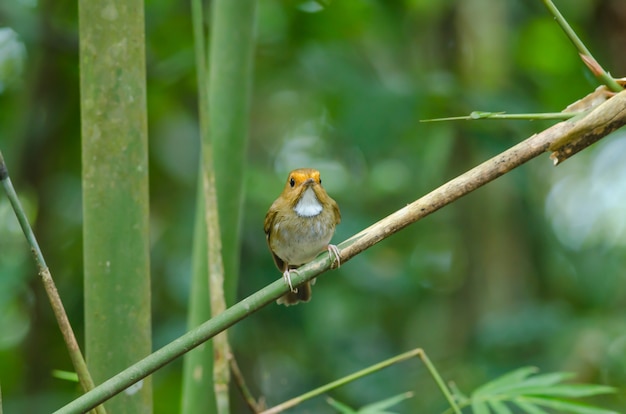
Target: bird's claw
(287,277)
(333,251)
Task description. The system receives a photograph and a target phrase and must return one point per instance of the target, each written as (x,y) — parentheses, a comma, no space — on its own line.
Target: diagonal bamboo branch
(417,352)
(438,198)
(607,116)
(84,377)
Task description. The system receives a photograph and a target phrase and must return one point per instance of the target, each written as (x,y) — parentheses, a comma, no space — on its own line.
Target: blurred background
(529,270)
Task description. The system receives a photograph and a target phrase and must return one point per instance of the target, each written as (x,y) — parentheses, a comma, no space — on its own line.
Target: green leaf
(479,407)
(341,407)
(544,380)
(568,406)
(529,393)
(499,407)
(457,393)
(527,386)
(65,375)
(569,390)
(529,408)
(503,381)
(379,406)
(375,408)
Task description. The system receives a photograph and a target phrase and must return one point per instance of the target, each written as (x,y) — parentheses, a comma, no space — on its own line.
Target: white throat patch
(308,205)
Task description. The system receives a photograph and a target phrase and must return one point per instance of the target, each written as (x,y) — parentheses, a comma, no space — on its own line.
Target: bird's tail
(302,294)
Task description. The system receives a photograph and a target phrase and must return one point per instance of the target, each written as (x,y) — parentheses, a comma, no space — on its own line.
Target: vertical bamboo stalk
(115,193)
(484,63)
(230,79)
(197,394)
(224,99)
(223,162)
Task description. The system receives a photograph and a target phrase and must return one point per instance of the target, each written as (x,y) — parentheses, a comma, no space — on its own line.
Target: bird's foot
(333,251)
(287,277)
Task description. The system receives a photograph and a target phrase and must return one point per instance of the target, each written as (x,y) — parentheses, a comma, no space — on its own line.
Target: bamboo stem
(78,361)
(417,352)
(585,54)
(198,394)
(115,193)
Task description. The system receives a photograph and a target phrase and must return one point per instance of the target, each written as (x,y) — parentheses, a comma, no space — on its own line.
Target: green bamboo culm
(230,79)
(223,140)
(115,194)
(197,393)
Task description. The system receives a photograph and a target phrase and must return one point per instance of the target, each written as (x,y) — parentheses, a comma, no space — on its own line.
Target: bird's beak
(309,182)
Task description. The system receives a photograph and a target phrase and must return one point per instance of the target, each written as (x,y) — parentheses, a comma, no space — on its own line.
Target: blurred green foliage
(527,271)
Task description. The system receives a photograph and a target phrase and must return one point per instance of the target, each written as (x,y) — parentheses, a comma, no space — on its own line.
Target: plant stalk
(76,356)
(588,58)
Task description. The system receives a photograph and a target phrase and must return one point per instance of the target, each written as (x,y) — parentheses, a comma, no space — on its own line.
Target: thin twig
(476,115)
(442,385)
(255,407)
(53,295)
(417,352)
(585,54)
(342,381)
(442,196)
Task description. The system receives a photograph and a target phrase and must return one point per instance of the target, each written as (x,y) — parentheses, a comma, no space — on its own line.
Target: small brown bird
(299,225)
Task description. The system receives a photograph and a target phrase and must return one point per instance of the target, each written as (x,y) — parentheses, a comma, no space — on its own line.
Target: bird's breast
(297,239)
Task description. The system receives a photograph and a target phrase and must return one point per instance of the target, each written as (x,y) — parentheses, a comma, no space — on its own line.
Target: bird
(298,226)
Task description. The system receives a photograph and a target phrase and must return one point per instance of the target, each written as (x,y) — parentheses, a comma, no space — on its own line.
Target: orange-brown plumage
(299,226)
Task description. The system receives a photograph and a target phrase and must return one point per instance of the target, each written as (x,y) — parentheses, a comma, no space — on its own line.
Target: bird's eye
(292,182)
(320,180)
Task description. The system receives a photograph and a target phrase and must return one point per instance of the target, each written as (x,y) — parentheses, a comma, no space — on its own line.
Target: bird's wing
(267,226)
